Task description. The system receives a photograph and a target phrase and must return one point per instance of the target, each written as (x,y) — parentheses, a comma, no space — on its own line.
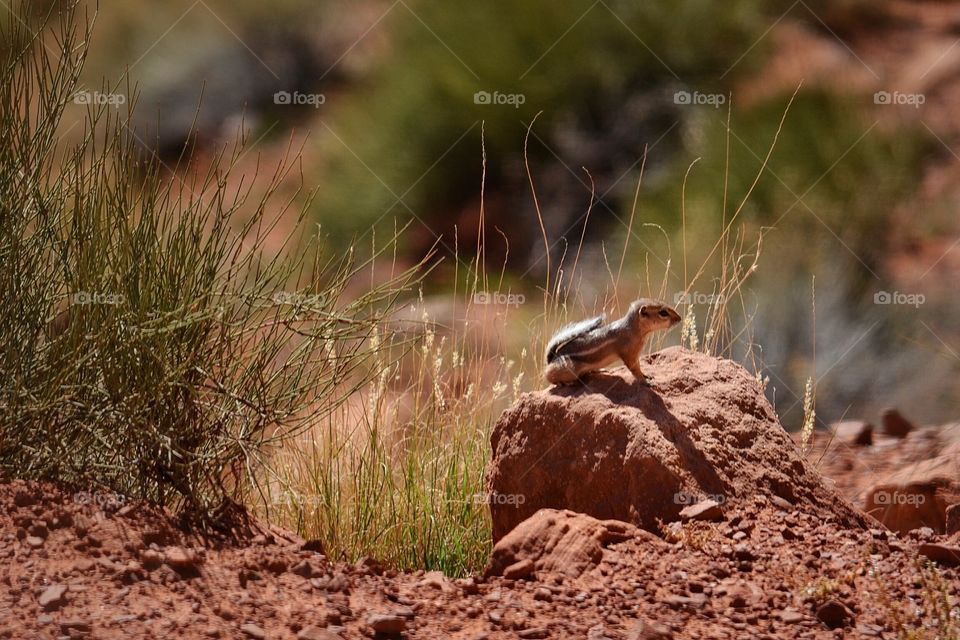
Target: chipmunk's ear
(645,310)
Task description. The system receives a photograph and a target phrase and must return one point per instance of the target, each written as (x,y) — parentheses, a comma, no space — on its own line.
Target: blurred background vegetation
(397,130)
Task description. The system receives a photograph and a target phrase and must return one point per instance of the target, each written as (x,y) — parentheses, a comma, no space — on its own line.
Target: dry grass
(695,534)
(151,344)
(934,616)
(364,429)
(399,473)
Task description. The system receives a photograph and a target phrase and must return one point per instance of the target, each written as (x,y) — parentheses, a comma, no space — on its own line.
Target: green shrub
(152,345)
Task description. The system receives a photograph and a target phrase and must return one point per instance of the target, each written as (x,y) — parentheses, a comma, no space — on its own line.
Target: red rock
(894,424)
(436,580)
(519,570)
(151,559)
(316,633)
(23,498)
(791,616)
(79,625)
(834,614)
(561,542)
(622,574)
(684,602)
(180,558)
(369,566)
(304,569)
(315,546)
(254,631)
(468,585)
(744,595)
(782,504)
(917,495)
(616,450)
(945,554)
(387,623)
(703,510)
(854,432)
(53,597)
(644,630)
(952,517)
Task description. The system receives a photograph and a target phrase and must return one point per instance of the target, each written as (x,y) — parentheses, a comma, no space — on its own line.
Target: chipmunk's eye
(663,313)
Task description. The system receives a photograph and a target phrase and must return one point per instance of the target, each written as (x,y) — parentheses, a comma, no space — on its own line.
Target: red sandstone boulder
(919,494)
(952,514)
(617,449)
(894,424)
(559,542)
(854,432)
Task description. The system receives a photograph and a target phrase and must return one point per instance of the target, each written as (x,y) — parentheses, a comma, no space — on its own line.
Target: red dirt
(130,573)
(762,566)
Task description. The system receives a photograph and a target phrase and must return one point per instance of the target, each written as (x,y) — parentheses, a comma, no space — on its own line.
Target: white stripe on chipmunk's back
(571,331)
(604,346)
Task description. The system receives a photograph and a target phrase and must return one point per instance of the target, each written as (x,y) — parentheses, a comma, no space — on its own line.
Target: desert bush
(151,343)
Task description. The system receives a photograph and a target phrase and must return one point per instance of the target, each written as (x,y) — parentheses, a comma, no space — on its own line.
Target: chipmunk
(586,346)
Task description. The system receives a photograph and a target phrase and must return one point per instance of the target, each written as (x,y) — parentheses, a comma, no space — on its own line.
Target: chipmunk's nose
(674,316)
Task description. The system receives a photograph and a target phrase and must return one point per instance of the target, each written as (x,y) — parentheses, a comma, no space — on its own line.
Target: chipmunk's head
(653,315)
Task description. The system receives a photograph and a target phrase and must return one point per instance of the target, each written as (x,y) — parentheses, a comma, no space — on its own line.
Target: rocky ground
(905,476)
(759,565)
(74,569)
(753,565)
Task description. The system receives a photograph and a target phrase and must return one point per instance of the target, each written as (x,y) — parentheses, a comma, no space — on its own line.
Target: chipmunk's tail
(569,333)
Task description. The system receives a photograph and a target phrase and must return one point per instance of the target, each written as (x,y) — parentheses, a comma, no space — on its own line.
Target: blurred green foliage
(401,137)
(574,57)
(832,178)
(825,204)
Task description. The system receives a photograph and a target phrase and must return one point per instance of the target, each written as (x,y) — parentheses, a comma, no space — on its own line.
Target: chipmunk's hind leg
(563,370)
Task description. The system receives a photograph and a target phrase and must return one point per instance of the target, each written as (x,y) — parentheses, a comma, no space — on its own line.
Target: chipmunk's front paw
(642,379)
